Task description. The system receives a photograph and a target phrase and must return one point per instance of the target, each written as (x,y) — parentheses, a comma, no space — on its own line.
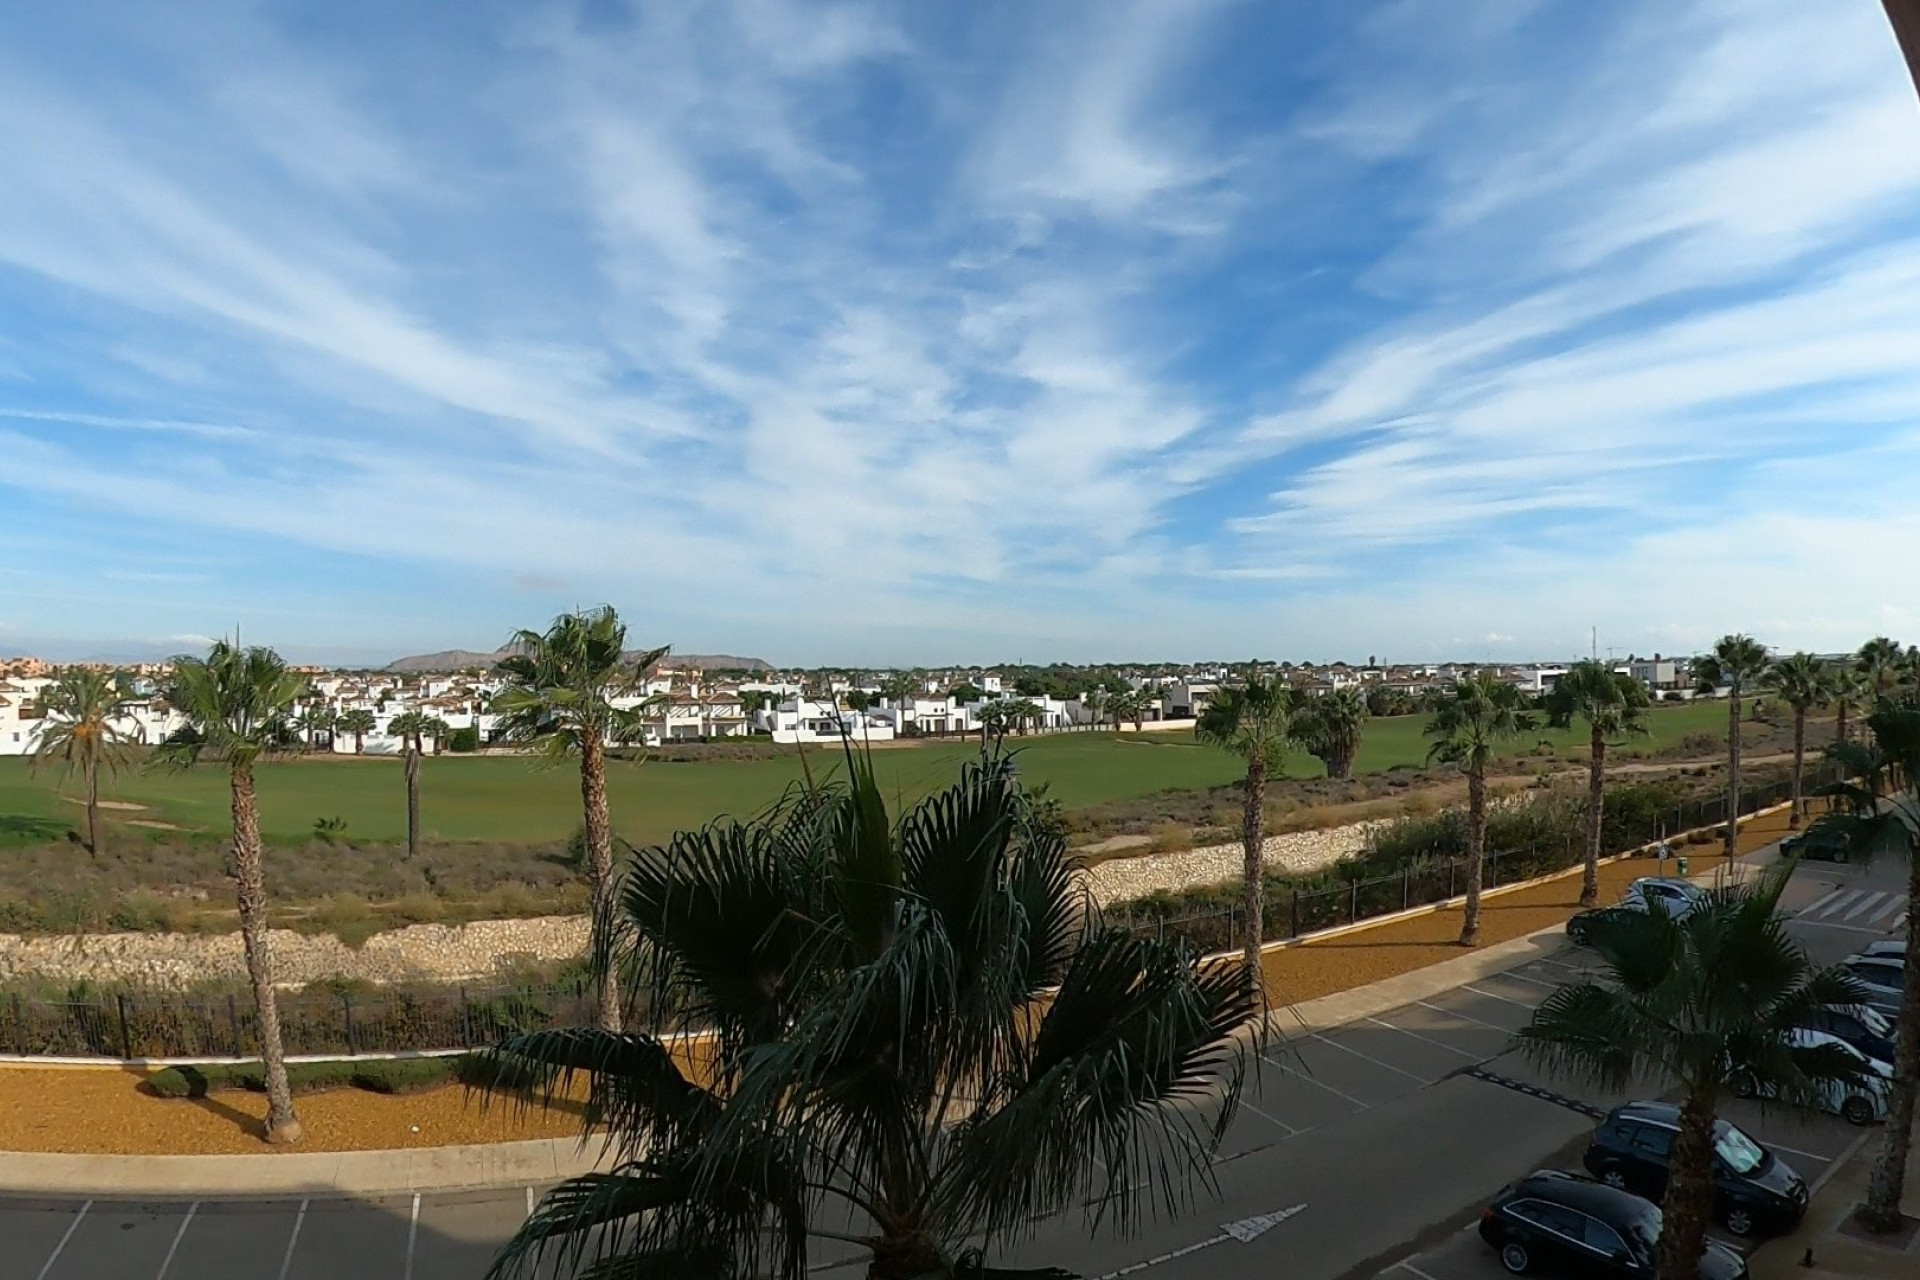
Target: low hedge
(383,1075)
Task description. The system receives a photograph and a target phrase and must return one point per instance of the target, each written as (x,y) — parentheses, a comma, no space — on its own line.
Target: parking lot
(1391,1128)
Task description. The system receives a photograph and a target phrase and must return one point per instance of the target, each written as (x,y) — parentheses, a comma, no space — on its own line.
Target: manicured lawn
(512,800)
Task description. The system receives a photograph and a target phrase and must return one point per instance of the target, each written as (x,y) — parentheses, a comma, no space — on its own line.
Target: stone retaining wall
(1297,852)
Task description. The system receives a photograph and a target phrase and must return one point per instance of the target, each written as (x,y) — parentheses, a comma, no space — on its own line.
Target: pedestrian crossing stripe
(1859,907)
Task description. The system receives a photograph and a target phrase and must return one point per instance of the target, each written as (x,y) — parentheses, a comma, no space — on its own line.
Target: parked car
(1754,1191)
(1563,1224)
(1678,898)
(1859,1102)
(1893,948)
(1883,976)
(1863,1027)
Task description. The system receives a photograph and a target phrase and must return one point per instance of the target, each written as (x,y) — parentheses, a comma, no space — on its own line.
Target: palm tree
(1708,1006)
(918,1039)
(1468,725)
(1613,704)
(1023,714)
(315,721)
(359,722)
(1847,691)
(1799,681)
(561,690)
(413,728)
(76,729)
(1255,722)
(1736,662)
(1331,727)
(1879,660)
(1880,816)
(235,703)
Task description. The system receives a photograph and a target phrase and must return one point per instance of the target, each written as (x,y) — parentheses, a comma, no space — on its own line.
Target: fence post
(1294,931)
(1453,865)
(233,1025)
(126,1035)
(1406,887)
(19,1023)
(1353,903)
(466,1022)
(346,1004)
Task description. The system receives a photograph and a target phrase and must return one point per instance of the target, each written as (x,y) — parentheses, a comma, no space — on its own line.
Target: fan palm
(1880,816)
(1613,704)
(235,703)
(359,722)
(413,728)
(563,688)
(1879,661)
(1331,726)
(1708,1005)
(915,1037)
(1736,663)
(76,729)
(1468,724)
(1799,681)
(1848,691)
(1255,722)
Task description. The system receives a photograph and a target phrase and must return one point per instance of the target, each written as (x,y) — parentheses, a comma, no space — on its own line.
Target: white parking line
(1515,973)
(1454,1013)
(413,1232)
(1522,1004)
(1795,1151)
(1313,1079)
(286,1262)
(177,1237)
(1408,1264)
(1272,1119)
(530,1202)
(1834,924)
(67,1235)
(1375,1061)
(1438,1044)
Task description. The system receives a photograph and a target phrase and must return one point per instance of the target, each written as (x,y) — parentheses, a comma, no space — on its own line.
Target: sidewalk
(1840,1250)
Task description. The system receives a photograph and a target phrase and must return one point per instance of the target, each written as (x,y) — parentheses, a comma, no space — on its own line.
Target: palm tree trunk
(593,799)
(1476,852)
(251,890)
(1689,1202)
(413,799)
(1797,811)
(359,742)
(1253,843)
(93,806)
(1881,1212)
(1840,723)
(1733,772)
(1596,810)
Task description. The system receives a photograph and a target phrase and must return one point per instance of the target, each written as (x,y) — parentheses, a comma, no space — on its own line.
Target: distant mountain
(461,659)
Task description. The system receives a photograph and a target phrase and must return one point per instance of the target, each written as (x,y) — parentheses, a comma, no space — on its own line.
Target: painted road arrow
(1245,1231)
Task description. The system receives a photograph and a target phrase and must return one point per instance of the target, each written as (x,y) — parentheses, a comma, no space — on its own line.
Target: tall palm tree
(236,703)
(315,721)
(1736,664)
(1800,681)
(1707,1005)
(1879,817)
(1468,725)
(920,1039)
(1255,722)
(76,729)
(413,728)
(1613,704)
(561,690)
(1879,661)
(359,722)
(1331,727)
(1848,692)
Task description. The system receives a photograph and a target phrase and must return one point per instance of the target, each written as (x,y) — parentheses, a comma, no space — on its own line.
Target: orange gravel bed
(103,1110)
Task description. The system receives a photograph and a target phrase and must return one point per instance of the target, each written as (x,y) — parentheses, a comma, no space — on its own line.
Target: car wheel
(1577,932)
(1614,1177)
(1857,1110)
(1739,1220)
(1515,1258)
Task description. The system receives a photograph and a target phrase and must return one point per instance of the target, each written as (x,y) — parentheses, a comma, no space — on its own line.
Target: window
(1552,1217)
(1605,1239)
(1651,1140)
(1741,1153)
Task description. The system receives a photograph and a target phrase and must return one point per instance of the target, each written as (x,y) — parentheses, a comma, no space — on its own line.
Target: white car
(1862,1102)
(1893,948)
(1678,898)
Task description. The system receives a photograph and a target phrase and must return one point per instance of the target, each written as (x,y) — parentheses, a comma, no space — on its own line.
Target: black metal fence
(312,1021)
(1294,911)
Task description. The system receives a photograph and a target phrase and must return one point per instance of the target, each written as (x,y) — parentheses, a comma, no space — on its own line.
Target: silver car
(1882,977)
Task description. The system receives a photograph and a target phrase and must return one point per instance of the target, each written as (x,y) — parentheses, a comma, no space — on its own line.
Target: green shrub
(466,739)
(183,1082)
(417,908)
(405,1075)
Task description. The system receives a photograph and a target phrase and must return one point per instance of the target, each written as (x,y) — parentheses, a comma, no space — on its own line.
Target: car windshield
(1741,1153)
(1643,1232)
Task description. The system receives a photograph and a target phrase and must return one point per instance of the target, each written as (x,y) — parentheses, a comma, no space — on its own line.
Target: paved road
(1354,1150)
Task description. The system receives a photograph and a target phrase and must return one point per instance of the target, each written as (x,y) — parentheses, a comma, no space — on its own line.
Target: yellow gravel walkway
(102,1110)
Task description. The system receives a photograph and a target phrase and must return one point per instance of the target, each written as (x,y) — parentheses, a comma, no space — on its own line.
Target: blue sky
(950,332)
